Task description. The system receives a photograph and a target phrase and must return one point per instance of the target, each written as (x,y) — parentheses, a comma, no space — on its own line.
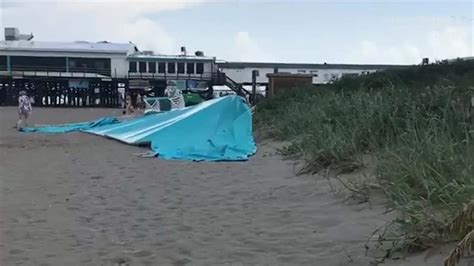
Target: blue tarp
(215,130)
(72,127)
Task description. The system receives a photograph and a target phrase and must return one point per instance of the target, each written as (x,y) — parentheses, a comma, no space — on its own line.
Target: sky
(345,31)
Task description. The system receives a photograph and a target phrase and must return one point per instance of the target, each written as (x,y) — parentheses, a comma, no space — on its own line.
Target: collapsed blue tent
(72,127)
(215,130)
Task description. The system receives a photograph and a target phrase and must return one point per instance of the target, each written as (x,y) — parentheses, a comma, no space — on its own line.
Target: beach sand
(79,199)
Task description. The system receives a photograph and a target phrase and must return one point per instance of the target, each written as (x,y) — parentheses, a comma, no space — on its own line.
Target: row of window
(303,71)
(59,64)
(166,67)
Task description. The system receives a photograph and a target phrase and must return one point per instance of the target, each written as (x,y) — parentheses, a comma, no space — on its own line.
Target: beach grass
(418,125)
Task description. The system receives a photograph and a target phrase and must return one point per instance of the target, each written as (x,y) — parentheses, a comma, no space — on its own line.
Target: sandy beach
(79,199)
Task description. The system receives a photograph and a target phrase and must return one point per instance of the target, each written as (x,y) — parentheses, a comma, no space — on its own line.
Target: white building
(29,58)
(241,72)
(53,71)
(101,68)
(151,66)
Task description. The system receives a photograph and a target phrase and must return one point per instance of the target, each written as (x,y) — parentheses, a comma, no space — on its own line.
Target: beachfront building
(189,72)
(101,73)
(95,74)
(62,73)
(241,72)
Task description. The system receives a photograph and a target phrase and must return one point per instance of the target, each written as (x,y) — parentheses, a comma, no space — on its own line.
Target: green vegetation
(417,122)
(192,99)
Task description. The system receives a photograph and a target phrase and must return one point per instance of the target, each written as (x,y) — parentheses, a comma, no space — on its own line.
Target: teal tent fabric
(72,127)
(215,130)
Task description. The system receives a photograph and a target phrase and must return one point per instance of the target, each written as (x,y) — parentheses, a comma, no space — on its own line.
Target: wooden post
(254,86)
(9,67)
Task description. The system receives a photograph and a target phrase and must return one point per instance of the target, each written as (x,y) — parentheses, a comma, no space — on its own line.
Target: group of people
(133,104)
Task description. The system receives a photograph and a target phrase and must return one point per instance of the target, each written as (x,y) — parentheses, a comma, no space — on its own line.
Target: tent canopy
(215,130)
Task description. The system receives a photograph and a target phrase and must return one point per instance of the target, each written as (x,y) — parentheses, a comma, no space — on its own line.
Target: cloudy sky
(315,31)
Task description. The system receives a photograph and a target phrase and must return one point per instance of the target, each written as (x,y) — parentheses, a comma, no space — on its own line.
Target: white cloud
(369,49)
(404,53)
(149,35)
(129,20)
(444,42)
(245,48)
(450,42)
(94,21)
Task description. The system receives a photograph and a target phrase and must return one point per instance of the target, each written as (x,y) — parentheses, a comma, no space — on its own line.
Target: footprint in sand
(16,251)
(141,220)
(121,261)
(141,253)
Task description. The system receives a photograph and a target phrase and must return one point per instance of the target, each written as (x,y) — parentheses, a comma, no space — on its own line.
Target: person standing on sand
(128,105)
(24,109)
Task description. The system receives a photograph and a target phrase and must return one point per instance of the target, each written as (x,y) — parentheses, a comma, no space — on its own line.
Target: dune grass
(417,122)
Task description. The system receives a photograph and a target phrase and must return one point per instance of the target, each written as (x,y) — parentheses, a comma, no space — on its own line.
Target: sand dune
(78,199)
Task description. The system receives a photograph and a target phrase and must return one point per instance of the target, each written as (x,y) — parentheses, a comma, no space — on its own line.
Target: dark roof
(303,65)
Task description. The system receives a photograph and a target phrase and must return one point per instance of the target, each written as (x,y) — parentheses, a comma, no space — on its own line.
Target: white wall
(119,67)
(244,75)
(322,76)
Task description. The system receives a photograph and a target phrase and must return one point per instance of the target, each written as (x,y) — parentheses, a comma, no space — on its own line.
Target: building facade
(241,72)
(92,74)
(99,73)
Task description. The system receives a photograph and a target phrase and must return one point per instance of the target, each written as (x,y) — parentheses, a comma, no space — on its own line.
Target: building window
(142,67)
(349,75)
(190,68)
(99,64)
(181,68)
(161,67)
(89,65)
(171,68)
(151,67)
(33,63)
(199,68)
(3,63)
(301,71)
(132,66)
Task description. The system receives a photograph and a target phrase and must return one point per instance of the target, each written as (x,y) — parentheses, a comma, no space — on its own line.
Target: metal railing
(48,94)
(236,87)
(178,76)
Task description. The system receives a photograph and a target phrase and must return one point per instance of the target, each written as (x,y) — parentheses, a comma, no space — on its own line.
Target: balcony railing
(172,76)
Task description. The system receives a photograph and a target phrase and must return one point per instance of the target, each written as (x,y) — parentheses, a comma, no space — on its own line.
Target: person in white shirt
(24,109)
(175,95)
